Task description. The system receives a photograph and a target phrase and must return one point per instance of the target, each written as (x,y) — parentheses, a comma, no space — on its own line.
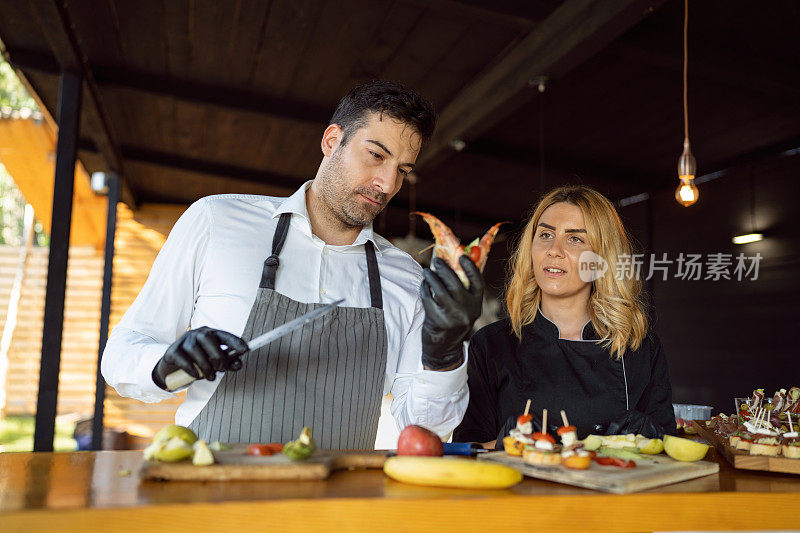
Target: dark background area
(189,98)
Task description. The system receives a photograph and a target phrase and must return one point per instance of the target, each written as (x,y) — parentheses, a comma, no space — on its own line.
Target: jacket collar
(549,328)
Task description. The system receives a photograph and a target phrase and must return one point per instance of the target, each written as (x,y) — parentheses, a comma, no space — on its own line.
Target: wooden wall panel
(139,237)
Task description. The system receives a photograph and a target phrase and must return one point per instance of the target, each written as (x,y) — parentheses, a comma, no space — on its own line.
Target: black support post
(69,110)
(105,308)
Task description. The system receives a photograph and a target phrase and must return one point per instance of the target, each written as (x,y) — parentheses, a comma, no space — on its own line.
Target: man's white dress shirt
(207,274)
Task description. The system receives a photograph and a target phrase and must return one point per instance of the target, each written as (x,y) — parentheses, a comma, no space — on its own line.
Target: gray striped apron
(327,375)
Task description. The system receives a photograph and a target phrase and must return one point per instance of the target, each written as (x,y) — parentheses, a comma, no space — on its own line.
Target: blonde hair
(615,305)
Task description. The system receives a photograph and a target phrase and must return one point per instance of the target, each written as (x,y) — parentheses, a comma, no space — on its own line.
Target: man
(235,266)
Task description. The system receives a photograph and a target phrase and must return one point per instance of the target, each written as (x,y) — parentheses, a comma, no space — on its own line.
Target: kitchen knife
(181,378)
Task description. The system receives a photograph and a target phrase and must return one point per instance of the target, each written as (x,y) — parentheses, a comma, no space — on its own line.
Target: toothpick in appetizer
(544,451)
(517,438)
(573,455)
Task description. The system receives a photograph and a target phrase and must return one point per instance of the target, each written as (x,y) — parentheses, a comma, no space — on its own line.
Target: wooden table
(88,491)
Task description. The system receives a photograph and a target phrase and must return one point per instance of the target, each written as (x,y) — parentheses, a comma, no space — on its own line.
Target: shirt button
(324,251)
(322,291)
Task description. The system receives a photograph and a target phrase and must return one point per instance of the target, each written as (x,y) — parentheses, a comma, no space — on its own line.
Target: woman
(576,337)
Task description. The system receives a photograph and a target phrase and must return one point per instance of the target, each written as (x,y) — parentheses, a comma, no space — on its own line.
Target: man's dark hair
(387,98)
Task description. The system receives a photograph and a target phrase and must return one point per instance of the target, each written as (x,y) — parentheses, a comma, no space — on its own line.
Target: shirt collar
(550,328)
(296,204)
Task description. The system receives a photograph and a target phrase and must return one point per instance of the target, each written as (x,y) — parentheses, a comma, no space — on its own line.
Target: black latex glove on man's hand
(450,311)
(200,349)
(636,423)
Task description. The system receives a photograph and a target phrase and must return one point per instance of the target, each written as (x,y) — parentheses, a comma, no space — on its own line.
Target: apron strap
(374,276)
(271,263)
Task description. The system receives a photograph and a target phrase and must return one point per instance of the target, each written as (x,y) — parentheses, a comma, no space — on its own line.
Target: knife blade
(181,378)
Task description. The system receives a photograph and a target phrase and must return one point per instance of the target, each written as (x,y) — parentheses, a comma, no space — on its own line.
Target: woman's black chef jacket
(579,377)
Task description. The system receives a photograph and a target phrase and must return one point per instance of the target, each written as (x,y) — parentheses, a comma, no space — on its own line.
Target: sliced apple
(684,449)
(649,446)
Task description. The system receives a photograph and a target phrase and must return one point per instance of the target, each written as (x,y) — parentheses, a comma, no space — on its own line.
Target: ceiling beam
(148,156)
(219,95)
(735,68)
(53,19)
(559,162)
(185,90)
(774,152)
(573,33)
(479,13)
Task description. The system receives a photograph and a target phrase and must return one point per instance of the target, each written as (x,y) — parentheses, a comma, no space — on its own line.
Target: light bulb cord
(752,200)
(685,65)
(541,140)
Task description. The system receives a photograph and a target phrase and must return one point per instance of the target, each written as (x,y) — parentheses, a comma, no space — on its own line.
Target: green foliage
(16,435)
(12,210)
(12,93)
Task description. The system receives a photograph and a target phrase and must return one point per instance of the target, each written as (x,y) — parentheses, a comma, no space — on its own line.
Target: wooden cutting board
(742,459)
(237,465)
(662,470)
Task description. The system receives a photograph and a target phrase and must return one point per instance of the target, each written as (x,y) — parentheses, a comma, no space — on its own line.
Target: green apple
(176,449)
(168,432)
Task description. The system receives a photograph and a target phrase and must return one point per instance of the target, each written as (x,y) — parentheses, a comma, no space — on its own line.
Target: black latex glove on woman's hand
(636,423)
(450,311)
(511,423)
(200,349)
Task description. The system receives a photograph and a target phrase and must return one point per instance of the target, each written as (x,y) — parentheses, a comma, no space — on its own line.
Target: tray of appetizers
(761,436)
(609,463)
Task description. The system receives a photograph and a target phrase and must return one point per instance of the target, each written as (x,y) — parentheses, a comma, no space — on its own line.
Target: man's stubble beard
(341,202)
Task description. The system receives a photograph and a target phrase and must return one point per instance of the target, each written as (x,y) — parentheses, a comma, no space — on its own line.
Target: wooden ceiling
(196,97)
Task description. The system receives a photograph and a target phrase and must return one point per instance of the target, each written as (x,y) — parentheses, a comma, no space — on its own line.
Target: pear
(176,449)
(202,454)
(173,430)
(151,451)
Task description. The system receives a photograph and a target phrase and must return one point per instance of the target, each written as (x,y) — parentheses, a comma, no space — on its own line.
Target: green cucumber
(629,453)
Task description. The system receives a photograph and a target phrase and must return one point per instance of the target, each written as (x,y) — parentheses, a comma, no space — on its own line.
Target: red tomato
(539,435)
(276,447)
(260,449)
(475,254)
(613,461)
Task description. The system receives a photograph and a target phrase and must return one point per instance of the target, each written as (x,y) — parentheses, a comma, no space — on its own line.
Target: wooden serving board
(742,459)
(661,470)
(237,465)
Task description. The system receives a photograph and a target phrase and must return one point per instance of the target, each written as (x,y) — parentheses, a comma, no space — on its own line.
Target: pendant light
(686,194)
(754,236)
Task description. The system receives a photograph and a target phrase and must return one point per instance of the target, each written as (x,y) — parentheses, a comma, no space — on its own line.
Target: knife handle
(179,378)
(458,448)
